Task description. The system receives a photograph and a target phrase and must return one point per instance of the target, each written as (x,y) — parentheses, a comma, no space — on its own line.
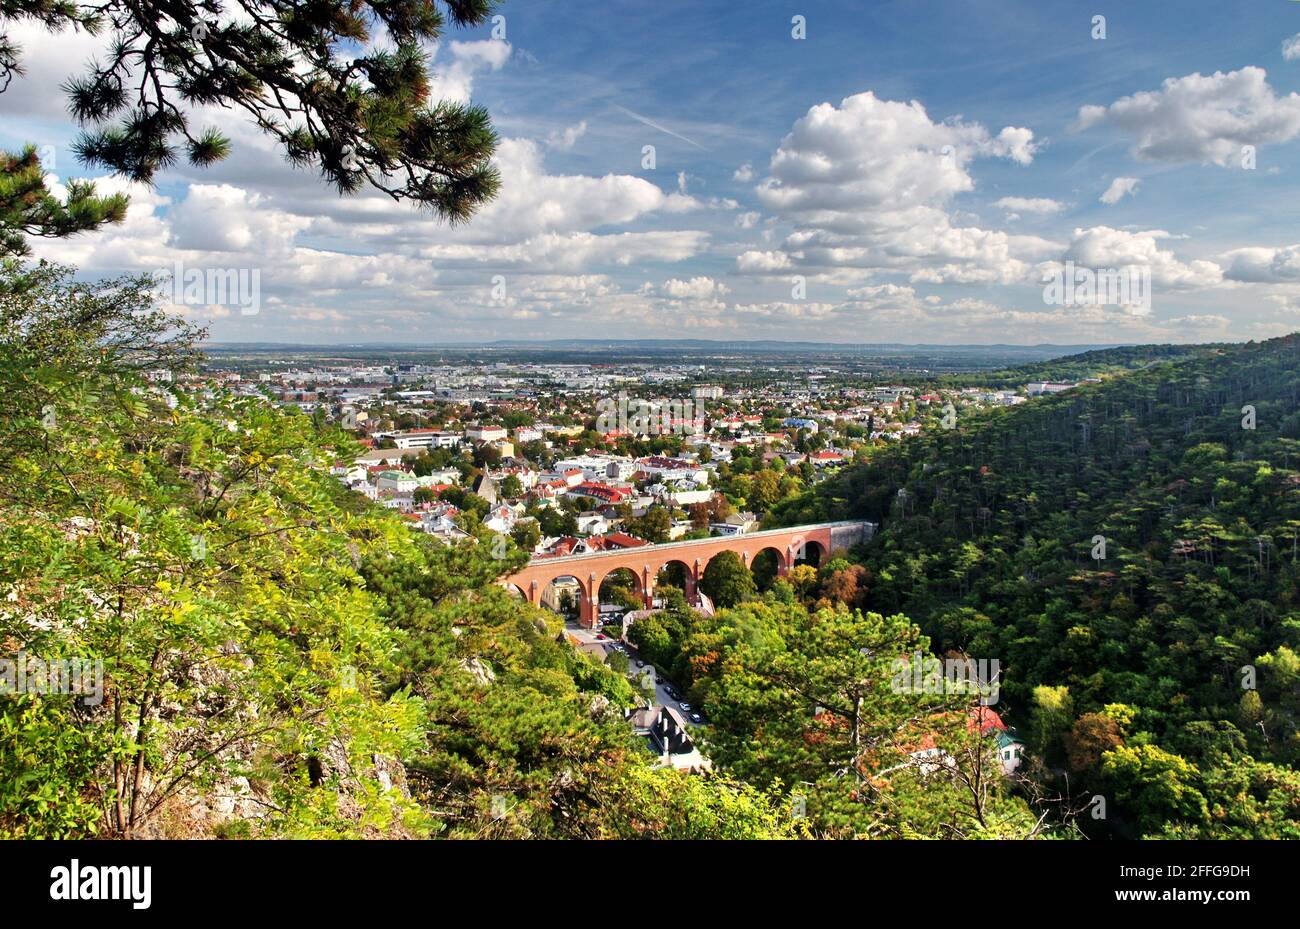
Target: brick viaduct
(798,543)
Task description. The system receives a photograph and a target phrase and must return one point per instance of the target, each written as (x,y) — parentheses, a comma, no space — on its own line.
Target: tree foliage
(279,657)
(1184,630)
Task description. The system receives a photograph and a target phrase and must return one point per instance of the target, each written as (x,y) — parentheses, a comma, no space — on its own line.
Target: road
(661,692)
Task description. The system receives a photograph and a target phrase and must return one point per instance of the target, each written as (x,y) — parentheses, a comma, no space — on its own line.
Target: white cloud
(577,251)
(542,224)
(1201,119)
(1102,247)
(744,174)
(868,184)
(1040,205)
(533,201)
(455,81)
(48,61)
(1199,321)
(1015,143)
(222,218)
(1291,47)
(1263,265)
(1118,189)
(565,139)
(753,260)
(697,288)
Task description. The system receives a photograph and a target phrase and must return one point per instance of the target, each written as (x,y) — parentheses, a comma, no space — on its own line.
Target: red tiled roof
(987,719)
(601,492)
(620,540)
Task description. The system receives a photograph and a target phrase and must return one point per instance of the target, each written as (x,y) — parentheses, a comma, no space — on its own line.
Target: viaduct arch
(797,543)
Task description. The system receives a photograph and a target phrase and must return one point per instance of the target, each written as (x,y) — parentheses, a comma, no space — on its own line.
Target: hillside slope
(1185,623)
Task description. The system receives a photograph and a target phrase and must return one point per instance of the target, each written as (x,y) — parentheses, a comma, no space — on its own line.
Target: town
(570,458)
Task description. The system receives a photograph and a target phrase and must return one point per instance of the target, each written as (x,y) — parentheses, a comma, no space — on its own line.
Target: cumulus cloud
(788,310)
(1291,47)
(898,313)
(579,250)
(697,288)
(856,193)
(1118,189)
(754,260)
(868,184)
(1102,247)
(1199,321)
(222,218)
(533,201)
(542,226)
(1198,118)
(1263,265)
(47,63)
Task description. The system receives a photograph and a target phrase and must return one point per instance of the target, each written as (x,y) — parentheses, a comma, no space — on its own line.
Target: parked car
(686,707)
(696,718)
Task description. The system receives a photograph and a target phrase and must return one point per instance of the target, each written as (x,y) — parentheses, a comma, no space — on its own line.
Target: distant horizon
(777,343)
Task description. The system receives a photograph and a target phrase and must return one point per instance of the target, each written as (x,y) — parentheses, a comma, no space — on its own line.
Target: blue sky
(910,171)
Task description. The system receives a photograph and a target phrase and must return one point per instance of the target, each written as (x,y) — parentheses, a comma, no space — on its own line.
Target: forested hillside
(1128,551)
(279,657)
(1071,368)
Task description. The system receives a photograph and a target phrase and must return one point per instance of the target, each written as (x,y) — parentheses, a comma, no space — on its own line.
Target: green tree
(28,208)
(764,491)
(557,522)
(267,635)
(1153,786)
(807,703)
(727,581)
(359,119)
(183,554)
(526,533)
(1052,715)
(803,578)
(653,526)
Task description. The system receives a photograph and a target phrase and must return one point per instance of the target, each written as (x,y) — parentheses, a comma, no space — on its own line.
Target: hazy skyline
(919,166)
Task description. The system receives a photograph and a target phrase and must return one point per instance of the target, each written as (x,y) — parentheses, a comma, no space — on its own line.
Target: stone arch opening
(515,591)
(810,552)
(621,588)
(766,566)
(675,573)
(565,595)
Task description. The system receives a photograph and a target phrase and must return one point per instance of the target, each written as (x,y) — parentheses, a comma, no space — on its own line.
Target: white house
(425,438)
(485,433)
(592,524)
(666,731)
(400,482)
(501,518)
